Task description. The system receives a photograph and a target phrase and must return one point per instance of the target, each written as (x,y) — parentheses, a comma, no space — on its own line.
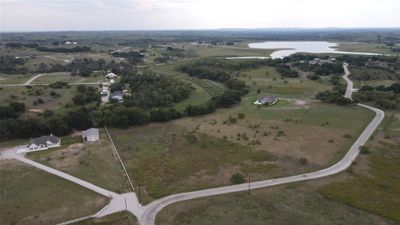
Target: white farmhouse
(91,134)
(266,100)
(42,143)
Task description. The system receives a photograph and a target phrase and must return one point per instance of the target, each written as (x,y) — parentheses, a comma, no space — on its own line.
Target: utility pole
(140,196)
(248,192)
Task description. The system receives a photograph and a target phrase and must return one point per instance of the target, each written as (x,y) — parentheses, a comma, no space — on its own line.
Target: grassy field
(365,47)
(225,51)
(66,77)
(377,170)
(14,78)
(93,162)
(296,204)
(195,153)
(168,159)
(269,81)
(31,196)
(29,95)
(121,218)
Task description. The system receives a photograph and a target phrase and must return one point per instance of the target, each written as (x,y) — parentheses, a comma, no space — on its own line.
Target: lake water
(291,47)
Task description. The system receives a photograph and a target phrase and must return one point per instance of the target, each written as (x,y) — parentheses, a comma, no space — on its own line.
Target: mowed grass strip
(121,218)
(32,196)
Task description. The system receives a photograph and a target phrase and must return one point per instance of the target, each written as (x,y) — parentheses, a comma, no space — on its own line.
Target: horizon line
(207,29)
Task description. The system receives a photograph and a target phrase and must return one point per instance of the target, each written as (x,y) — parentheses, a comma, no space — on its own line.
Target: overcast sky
(58,15)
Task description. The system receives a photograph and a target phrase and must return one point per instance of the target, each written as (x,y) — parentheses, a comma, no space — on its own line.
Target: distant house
(266,100)
(117,95)
(42,143)
(91,134)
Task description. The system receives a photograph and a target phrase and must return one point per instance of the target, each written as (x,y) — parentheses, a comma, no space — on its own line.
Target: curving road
(349,88)
(150,211)
(147,214)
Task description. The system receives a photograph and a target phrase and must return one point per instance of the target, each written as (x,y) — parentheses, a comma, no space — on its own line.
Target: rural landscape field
(166,122)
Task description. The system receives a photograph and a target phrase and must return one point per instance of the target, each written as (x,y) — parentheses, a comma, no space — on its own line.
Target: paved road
(33,78)
(118,202)
(349,89)
(11,154)
(154,207)
(46,84)
(58,59)
(147,214)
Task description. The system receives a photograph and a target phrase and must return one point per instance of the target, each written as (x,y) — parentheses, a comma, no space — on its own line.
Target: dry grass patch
(289,138)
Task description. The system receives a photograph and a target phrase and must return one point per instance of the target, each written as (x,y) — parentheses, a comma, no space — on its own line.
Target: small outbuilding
(266,100)
(91,134)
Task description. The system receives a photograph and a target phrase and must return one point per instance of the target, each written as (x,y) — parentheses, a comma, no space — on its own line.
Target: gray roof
(266,99)
(43,139)
(90,132)
(117,95)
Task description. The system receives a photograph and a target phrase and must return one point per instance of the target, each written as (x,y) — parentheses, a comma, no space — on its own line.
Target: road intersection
(146,214)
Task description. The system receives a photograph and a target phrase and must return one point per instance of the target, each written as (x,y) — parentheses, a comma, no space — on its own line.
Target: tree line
(385,97)
(64,49)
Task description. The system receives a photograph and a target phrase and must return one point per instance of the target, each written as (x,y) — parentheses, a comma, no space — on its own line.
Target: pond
(286,48)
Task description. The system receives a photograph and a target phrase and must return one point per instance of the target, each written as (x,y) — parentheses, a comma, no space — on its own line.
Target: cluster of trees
(333,97)
(64,49)
(153,90)
(12,110)
(86,95)
(395,88)
(11,64)
(85,67)
(58,85)
(132,57)
(286,71)
(336,96)
(47,123)
(359,60)
(381,96)
(322,70)
(20,45)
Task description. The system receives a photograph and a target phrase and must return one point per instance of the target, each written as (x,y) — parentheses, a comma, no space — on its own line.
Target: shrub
(364,150)
(237,178)
(303,161)
(347,136)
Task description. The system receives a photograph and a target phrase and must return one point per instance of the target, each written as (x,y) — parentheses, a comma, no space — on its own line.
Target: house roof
(117,95)
(90,132)
(43,140)
(266,99)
